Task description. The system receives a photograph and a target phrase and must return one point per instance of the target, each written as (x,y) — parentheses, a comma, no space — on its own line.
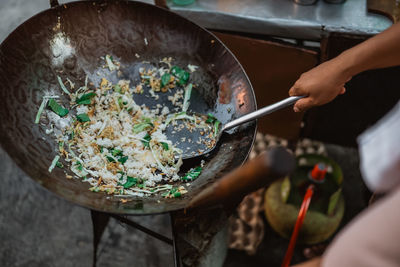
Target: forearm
(380,51)
(326,81)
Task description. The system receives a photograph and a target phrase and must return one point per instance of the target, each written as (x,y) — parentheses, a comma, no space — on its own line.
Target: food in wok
(117,145)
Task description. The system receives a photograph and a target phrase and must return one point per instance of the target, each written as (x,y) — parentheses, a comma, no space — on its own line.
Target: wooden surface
(272,69)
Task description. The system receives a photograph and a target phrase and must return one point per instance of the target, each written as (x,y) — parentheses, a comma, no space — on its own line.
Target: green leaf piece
(140,186)
(165,146)
(85,99)
(116,152)
(180,74)
(59,165)
(123,159)
(140,127)
(56,108)
(117,88)
(110,159)
(41,107)
(83,117)
(186,98)
(146,140)
(216,127)
(131,181)
(71,135)
(210,118)
(165,79)
(192,174)
(79,166)
(60,146)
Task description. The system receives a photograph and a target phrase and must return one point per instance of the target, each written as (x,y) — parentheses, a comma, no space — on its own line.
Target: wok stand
(100,221)
(191,234)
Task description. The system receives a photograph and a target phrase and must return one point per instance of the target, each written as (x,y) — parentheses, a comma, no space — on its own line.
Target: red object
(299,222)
(318,172)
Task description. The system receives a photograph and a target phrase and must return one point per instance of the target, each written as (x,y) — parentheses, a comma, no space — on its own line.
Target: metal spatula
(193,142)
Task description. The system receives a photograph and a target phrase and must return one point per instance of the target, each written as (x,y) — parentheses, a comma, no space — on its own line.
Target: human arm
(326,81)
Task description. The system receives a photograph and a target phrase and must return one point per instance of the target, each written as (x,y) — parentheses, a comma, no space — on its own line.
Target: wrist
(347,65)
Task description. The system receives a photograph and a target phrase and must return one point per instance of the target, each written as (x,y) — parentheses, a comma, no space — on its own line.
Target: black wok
(68,40)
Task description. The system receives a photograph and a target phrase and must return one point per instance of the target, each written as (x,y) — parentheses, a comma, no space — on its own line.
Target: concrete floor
(39,229)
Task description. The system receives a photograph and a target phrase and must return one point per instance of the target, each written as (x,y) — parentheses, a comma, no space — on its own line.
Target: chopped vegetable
(56,108)
(110,63)
(146,140)
(104,147)
(192,174)
(116,152)
(83,117)
(110,159)
(192,68)
(140,127)
(170,192)
(71,135)
(117,88)
(130,181)
(175,192)
(53,163)
(165,146)
(165,79)
(61,146)
(210,118)
(59,164)
(62,85)
(120,102)
(180,74)
(179,116)
(39,113)
(188,92)
(95,189)
(123,159)
(79,166)
(85,99)
(71,84)
(216,127)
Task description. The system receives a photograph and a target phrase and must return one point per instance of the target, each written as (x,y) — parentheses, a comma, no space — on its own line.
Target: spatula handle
(261,112)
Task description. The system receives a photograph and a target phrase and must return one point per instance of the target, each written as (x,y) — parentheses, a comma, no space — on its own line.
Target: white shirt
(379,149)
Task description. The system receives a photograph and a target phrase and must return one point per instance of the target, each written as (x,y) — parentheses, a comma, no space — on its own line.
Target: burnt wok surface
(68,41)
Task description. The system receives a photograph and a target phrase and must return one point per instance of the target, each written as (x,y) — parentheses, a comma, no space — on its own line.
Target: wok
(68,40)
